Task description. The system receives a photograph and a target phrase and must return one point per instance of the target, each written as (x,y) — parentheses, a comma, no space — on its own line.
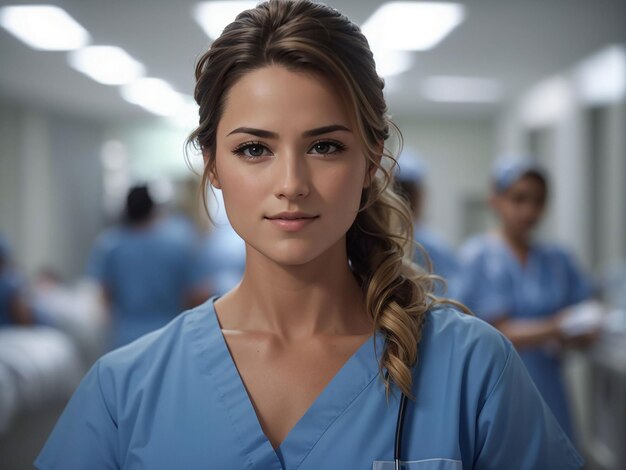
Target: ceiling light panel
(44,27)
(213,17)
(601,79)
(154,95)
(390,63)
(108,65)
(414,26)
(461,89)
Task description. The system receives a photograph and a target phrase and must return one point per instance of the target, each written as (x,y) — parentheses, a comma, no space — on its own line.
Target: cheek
(538,210)
(343,189)
(238,202)
(242,198)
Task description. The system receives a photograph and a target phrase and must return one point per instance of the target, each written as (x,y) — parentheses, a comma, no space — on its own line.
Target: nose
(292,176)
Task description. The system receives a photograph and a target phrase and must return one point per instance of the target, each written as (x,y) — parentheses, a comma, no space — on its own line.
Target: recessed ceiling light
(108,65)
(43,27)
(461,89)
(390,63)
(154,95)
(546,102)
(601,79)
(213,17)
(414,26)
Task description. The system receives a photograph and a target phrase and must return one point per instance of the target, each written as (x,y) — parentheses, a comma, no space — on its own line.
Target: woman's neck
(319,297)
(519,244)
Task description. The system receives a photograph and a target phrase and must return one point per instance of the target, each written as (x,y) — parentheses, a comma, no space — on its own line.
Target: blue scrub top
(441,254)
(493,284)
(174,399)
(11,285)
(147,272)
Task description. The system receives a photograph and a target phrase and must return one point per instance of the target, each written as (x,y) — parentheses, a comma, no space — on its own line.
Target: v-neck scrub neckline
(351,379)
(174,399)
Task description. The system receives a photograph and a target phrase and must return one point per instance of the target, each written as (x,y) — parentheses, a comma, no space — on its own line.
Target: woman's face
(521,206)
(289,164)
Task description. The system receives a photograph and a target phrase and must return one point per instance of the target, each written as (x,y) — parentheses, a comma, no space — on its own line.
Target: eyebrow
(273,135)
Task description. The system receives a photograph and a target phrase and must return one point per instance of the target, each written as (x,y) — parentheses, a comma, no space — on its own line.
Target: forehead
(529,182)
(276,99)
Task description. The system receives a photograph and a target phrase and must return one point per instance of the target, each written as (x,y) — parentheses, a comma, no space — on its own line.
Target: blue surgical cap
(410,168)
(509,169)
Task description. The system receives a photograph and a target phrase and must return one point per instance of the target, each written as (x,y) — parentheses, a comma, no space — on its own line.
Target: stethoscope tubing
(397,447)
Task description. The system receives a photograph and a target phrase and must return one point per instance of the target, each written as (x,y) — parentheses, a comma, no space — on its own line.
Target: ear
(373,167)
(214,181)
(211,170)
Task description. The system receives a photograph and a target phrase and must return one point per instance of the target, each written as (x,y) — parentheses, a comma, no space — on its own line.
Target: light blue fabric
(147,272)
(174,400)
(442,255)
(222,259)
(493,284)
(507,170)
(411,167)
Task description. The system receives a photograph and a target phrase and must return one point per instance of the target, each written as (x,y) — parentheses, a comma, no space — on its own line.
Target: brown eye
(326,147)
(252,151)
(323,147)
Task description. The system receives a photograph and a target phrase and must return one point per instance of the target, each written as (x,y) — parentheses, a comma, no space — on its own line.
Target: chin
(290,252)
(295,252)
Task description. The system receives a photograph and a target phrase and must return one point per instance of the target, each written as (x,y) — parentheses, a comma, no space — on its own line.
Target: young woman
(304,364)
(522,285)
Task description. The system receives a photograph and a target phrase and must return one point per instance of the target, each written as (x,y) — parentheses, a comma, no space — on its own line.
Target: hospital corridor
(510,160)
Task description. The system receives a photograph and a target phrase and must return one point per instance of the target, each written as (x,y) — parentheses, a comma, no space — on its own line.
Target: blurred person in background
(222,258)
(145,267)
(14,307)
(410,181)
(524,286)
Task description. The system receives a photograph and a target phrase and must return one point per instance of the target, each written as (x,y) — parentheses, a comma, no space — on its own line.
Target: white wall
(50,187)
(458,152)
(154,148)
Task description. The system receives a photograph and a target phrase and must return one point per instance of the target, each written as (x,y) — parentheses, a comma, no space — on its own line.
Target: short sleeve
(86,434)
(516,429)
(484,286)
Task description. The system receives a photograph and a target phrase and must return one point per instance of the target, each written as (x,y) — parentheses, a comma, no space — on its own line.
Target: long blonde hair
(305,36)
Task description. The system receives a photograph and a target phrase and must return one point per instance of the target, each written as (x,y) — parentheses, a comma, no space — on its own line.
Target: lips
(292,216)
(292,221)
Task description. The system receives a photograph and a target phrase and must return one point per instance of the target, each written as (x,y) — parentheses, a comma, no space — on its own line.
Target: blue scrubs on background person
(146,267)
(221,259)
(222,253)
(441,254)
(11,286)
(174,399)
(410,179)
(495,284)
(13,305)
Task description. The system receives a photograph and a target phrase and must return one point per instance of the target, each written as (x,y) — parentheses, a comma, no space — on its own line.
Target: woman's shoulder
(463,338)
(499,406)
